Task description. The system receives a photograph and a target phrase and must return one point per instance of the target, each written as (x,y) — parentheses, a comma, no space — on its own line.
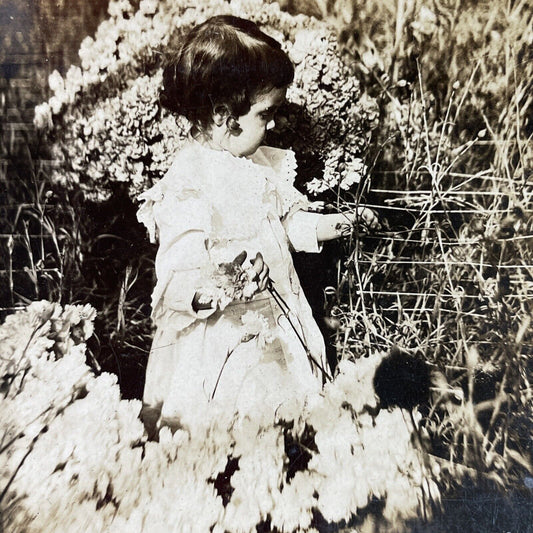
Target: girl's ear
(223,117)
(220,114)
(233,125)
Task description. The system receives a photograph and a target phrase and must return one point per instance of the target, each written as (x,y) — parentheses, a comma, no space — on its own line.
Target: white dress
(209,207)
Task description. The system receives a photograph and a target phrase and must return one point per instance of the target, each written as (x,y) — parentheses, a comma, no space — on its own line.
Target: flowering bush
(75,456)
(109,128)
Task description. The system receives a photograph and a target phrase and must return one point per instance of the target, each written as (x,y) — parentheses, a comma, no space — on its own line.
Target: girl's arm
(306,230)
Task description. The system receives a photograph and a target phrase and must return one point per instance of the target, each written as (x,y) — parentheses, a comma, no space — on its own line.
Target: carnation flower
(229,282)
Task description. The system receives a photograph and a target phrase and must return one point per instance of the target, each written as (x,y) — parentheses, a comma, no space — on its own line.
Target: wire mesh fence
(451,266)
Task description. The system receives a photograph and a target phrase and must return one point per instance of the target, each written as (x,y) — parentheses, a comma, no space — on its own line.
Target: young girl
(235,333)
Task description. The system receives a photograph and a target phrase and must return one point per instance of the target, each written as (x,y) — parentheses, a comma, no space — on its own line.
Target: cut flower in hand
(229,282)
(366,217)
(362,218)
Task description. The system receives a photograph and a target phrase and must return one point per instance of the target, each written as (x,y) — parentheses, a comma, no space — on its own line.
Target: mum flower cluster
(330,120)
(229,282)
(109,130)
(255,326)
(75,457)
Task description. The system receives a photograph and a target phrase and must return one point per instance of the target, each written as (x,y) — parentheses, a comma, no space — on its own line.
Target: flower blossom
(256,326)
(85,443)
(43,116)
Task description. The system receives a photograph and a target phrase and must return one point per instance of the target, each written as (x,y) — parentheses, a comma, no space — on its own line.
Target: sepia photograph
(266,266)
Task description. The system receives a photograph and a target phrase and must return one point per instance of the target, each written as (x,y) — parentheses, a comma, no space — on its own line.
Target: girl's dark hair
(226,61)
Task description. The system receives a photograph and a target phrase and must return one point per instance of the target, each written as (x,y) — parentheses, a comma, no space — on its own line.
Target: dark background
(37,37)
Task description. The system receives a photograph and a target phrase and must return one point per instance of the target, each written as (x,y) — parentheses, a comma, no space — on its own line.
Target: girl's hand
(365,217)
(203,299)
(233,282)
(335,225)
(199,302)
(262,270)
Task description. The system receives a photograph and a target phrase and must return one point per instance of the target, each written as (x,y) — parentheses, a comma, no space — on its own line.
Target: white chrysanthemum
(43,116)
(259,474)
(256,326)
(94,447)
(148,7)
(353,174)
(293,506)
(316,186)
(425,24)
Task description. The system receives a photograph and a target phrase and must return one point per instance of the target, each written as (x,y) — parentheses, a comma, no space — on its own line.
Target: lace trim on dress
(283,164)
(238,189)
(238,192)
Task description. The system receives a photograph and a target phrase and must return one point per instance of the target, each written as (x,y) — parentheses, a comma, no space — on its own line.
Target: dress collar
(227,155)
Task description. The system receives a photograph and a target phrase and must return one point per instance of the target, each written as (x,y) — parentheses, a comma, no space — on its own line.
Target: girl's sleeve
(180,219)
(300,224)
(301,229)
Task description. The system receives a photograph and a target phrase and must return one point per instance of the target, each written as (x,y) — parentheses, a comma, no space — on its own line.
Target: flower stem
(221,370)
(286,312)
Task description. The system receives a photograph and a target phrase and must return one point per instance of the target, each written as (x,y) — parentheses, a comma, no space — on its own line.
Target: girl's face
(252,127)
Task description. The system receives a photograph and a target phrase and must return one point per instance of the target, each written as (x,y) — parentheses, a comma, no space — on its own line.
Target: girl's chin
(245,153)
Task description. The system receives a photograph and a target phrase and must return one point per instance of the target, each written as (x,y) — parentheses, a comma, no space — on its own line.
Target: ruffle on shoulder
(145,213)
(175,186)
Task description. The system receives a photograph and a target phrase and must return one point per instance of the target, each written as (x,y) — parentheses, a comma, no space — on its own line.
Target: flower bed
(75,457)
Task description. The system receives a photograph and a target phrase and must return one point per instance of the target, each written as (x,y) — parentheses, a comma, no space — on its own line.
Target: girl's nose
(271,124)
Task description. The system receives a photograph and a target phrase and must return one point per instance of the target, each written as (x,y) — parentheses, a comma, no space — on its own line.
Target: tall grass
(449,276)
(32,248)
